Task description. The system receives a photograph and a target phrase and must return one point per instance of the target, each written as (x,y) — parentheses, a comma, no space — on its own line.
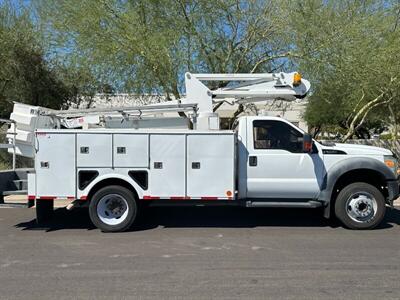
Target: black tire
(44,210)
(359,199)
(101,203)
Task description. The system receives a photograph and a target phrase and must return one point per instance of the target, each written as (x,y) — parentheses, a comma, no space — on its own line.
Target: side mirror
(307,143)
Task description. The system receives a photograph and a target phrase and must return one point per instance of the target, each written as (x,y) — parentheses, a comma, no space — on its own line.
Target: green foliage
(27,74)
(146,46)
(351,52)
(57,51)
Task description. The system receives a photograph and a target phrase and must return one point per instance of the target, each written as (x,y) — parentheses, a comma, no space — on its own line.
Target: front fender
(350,164)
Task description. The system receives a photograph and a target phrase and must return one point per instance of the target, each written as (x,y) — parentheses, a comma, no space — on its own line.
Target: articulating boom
(246,88)
(197,105)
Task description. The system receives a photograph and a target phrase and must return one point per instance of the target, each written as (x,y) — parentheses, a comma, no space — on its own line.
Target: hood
(355,149)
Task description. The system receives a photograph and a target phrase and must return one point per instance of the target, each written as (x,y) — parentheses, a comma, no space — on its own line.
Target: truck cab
(276,170)
(273,164)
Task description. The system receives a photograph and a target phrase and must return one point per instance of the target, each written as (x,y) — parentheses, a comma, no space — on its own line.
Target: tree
(350,51)
(146,46)
(27,75)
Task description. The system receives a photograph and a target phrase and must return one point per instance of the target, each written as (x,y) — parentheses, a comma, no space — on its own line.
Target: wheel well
(369,176)
(111,181)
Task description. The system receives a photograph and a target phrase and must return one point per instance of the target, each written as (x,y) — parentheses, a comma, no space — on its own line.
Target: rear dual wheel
(113,209)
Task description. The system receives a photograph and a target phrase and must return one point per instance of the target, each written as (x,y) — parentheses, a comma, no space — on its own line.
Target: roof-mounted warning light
(296,79)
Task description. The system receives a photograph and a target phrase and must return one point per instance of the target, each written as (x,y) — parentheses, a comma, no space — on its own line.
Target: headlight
(391,163)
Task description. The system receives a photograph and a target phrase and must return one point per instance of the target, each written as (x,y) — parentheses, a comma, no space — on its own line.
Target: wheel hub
(112,209)
(116,207)
(361,207)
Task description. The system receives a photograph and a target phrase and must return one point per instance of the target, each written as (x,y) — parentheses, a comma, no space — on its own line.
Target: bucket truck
(116,160)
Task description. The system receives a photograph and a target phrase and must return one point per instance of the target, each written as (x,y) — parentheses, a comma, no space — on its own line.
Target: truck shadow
(206,217)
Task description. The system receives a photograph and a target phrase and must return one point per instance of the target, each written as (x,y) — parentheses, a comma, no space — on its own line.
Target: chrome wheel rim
(361,207)
(112,209)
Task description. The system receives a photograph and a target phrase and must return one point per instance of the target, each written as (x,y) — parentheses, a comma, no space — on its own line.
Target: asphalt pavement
(198,253)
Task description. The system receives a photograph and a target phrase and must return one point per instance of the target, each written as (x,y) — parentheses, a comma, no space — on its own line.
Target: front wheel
(360,206)
(113,209)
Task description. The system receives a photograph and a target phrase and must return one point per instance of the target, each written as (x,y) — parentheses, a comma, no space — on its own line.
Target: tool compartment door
(167,165)
(55,165)
(210,166)
(94,150)
(131,150)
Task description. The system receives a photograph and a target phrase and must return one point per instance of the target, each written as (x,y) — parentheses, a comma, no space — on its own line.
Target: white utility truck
(115,160)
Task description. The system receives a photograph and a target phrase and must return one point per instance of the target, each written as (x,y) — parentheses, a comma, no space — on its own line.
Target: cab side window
(271,134)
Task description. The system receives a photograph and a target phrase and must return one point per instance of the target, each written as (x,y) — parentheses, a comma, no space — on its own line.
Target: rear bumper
(393,190)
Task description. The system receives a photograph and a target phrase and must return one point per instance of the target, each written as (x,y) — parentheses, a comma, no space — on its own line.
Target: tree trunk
(394,130)
(360,116)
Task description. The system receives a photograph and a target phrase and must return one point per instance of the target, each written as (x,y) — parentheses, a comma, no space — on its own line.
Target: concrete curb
(21,200)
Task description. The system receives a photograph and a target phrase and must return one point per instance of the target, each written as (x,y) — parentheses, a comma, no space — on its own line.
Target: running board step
(308,204)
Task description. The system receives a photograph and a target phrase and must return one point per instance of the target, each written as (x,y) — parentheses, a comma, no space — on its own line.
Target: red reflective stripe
(179,198)
(150,198)
(70,198)
(31,197)
(209,198)
(47,197)
(83,198)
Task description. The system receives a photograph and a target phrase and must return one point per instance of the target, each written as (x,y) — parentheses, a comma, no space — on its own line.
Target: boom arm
(249,88)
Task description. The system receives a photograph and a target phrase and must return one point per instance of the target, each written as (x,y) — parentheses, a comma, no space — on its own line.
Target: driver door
(277,166)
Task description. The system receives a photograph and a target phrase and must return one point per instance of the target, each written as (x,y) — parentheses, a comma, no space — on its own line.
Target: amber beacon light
(296,79)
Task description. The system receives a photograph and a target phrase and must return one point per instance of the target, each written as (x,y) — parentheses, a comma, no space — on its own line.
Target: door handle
(252,161)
